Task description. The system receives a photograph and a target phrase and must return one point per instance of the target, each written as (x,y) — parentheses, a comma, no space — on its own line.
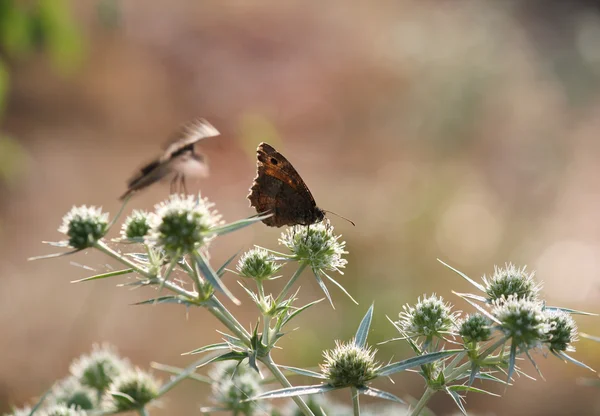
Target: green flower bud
(98,369)
(562,331)
(233,385)
(316,246)
(136,225)
(511,281)
(349,365)
(257,264)
(522,320)
(475,328)
(182,224)
(133,389)
(84,226)
(429,317)
(72,393)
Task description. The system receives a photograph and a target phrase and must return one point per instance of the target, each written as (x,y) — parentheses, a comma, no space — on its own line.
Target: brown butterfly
(179,158)
(278,189)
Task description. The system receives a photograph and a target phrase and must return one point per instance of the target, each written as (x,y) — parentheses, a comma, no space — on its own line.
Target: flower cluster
(98,369)
(475,328)
(349,365)
(561,331)
(233,384)
(257,264)
(429,317)
(182,224)
(72,393)
(316,246)
(137,225)
(511,281)
(84,226)
(522,320)
(131,390)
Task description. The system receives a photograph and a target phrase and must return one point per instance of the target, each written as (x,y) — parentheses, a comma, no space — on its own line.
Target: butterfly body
(278,189)
(179,160)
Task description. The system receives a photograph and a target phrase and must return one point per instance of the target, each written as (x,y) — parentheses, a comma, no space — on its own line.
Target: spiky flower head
(233,385)
(84,226)
(257,264)
(511,281)
(72,393)
(429,317)
(349,365)
(133,389)
(137,225)
(562,331)
(62,410)
(182,224)
(233,394)
(475,328)
(24,411)
(521,319)
(98,369)
(316,246)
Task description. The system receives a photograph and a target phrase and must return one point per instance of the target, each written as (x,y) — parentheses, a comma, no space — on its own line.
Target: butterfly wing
(147,175)
(279,189)
(187,135)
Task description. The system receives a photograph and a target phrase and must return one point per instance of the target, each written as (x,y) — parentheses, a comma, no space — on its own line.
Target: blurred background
(459,130)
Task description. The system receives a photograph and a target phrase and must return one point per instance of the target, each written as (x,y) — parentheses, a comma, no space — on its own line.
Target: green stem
(427,395)
(355,402)
(194,275)
(215,307)
(156,278)
(266,330)
(291,282)
(143,412)
(261,289)
(268,362)
(223,315)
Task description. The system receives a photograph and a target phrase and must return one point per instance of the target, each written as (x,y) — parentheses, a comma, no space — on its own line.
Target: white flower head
(84,226)
(182,224)
(315,245)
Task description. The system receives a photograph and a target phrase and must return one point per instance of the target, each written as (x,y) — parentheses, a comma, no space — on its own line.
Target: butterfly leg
(183,187)
(173,186)
(307,232)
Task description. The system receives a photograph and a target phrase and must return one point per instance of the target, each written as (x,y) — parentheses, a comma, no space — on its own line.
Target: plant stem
(227,319)
(355,402)
(143,412)
(169,285)
(291,282)
(428,394)
(261,290)
(215,306)
(268,362)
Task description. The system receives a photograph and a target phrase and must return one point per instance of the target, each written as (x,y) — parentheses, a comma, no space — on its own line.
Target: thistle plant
(172,254)
(131,390)
(137,226)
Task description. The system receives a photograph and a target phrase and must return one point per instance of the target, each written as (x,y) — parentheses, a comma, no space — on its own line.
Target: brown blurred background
(459,130)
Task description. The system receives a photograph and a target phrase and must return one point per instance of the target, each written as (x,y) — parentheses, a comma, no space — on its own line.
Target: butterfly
(278,189)
(178,159)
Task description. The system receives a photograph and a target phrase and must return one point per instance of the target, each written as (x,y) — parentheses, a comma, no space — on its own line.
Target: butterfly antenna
(338,215)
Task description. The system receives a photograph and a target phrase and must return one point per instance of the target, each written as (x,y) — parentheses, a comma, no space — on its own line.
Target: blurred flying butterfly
(179,159)
(278,189)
